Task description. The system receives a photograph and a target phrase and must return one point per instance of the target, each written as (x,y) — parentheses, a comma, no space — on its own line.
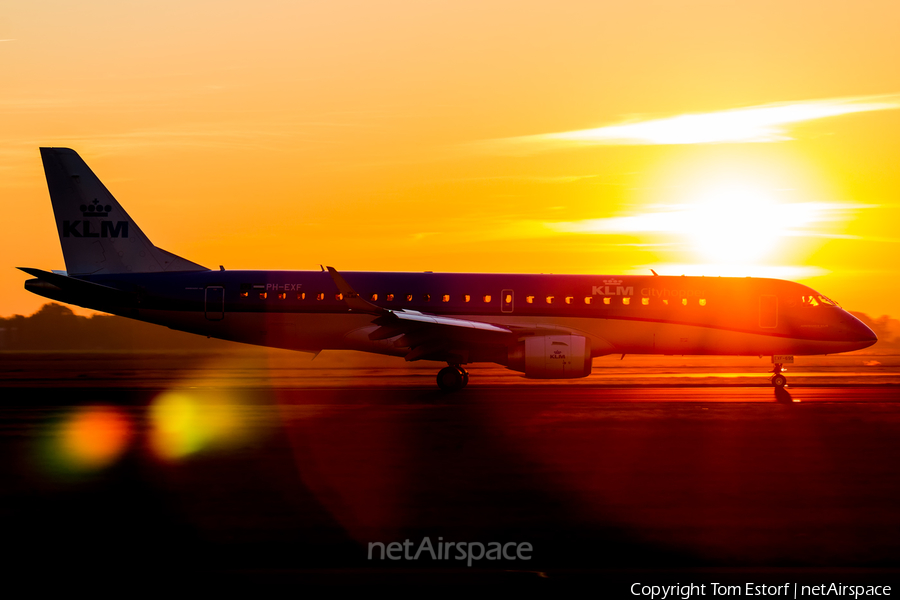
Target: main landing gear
(778,380)
(452,378)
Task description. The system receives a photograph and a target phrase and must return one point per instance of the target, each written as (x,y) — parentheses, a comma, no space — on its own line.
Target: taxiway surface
(271,483)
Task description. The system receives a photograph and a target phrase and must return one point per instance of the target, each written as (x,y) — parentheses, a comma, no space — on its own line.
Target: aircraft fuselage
(303,310)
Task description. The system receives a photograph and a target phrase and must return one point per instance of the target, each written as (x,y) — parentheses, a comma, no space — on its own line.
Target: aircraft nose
(859,332)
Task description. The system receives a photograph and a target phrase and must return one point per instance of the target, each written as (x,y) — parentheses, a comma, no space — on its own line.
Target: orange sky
(469,136)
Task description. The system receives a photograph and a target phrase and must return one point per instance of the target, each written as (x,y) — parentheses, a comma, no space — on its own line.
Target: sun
(733,225)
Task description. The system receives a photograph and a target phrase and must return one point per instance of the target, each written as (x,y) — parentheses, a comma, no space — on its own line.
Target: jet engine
(552,357)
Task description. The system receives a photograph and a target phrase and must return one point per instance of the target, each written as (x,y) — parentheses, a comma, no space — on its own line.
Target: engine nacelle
(552,357)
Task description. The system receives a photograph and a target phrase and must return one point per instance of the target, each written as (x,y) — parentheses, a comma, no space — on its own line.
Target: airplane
(544,326)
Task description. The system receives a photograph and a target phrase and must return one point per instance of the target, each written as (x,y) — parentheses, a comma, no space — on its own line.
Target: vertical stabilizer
(96,234)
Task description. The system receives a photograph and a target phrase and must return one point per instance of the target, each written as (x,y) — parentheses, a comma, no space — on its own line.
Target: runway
(272,485)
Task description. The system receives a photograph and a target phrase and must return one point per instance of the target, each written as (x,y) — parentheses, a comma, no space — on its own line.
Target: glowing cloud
(725,226)
(720,270)
(793,219)
(764,123)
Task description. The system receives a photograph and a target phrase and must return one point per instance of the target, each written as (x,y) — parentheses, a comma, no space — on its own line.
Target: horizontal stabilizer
(69,287)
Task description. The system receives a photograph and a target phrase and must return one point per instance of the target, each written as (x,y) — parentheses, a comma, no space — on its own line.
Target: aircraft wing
(433,337)
(429,337)
(419,317)
(438,337)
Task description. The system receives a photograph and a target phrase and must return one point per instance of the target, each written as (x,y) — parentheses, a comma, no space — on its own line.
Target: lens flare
(183,424)
(92,438)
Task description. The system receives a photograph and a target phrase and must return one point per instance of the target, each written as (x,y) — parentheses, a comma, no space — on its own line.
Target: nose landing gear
(452,378)
(778,380)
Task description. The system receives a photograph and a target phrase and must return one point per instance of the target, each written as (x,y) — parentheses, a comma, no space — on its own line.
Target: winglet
(353,300)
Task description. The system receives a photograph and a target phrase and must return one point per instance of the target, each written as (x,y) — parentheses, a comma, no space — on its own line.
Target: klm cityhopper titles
(544,326)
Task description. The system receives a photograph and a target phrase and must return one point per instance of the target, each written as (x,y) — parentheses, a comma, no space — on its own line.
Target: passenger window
(320,296)
(282,295)
(262,295)
(666,302)
(626,301)
(445,298)
(569,299)
(684,301)
(529,299)
(508,299)
(389,297)
(549,299)
(645,301)
(338,296)
(409,297)
(587,299)
(245,294)
(427,297)
(466,297)
(373,298)
(702,301)
(486,298)
(301,296)
(607,300)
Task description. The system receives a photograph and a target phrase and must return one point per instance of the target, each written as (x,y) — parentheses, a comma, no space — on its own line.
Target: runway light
(183,424)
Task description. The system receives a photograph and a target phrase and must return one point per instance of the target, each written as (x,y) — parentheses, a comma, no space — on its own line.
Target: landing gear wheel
(465,375)
(451,379)
(778,380)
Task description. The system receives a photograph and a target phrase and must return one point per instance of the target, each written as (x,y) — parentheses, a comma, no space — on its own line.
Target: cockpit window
(828,301)
(818,300)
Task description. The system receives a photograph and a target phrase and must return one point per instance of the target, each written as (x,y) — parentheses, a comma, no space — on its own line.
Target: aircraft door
(506,301)
(768,312)
(215,303)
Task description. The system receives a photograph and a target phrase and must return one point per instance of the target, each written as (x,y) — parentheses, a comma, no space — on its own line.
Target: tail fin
(96,234)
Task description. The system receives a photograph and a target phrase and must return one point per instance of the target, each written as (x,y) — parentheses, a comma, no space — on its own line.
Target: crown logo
(95,209)
(612,281)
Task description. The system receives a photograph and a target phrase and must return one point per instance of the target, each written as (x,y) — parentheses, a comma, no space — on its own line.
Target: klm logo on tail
(108,229)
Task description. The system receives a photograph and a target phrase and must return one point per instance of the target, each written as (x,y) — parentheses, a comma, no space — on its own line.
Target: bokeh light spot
(93,437)
(183,424)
